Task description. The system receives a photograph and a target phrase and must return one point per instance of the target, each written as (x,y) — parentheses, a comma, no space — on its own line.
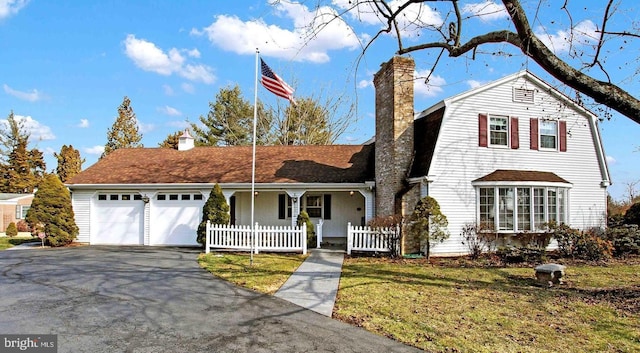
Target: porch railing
(365,238)
(267,238)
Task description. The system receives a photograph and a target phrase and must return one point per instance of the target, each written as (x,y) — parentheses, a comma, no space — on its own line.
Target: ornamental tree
(428,223)
(51,212)
(215,210)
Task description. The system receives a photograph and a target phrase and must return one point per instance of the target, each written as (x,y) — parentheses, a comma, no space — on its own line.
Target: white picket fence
(365,238)
(267,238)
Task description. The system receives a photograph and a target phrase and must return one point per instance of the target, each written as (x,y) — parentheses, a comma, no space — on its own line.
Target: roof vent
(185,141)
(523,95)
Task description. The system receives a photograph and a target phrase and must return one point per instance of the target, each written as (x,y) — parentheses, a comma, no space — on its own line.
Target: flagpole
(253,162)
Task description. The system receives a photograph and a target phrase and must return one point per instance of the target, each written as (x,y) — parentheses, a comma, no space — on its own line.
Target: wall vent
(523,95)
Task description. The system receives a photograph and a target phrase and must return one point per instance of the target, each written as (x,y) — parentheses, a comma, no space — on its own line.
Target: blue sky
(68,64)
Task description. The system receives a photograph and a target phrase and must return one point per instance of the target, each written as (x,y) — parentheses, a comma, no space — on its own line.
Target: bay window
(521,208)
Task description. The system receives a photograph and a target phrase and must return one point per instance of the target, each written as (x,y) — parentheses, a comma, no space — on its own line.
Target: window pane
(113,197)
(197,196)
(487,209)
(126,197)
(498,130)
(562,216)
(548,134)
(173,197)
(552,203)
(538,208)
(314,206)
(524,209)
(505,211)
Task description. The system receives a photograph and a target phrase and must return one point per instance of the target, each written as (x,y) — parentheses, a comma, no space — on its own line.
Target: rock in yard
(550,274)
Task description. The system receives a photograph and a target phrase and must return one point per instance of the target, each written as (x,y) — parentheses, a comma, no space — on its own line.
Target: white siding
(81,203)
(458,160)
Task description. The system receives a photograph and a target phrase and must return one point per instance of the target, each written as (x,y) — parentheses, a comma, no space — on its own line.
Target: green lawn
(6,242)
(267,274)
(454,307)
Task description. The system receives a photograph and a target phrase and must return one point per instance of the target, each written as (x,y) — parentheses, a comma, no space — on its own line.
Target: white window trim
(531,186)
(508,137)
(321,206)
(540,147)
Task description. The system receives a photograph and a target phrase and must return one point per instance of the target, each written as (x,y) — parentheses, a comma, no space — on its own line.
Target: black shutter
(282,206)
(327,206)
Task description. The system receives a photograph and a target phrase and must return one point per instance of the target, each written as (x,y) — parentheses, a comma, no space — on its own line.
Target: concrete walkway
(314,284)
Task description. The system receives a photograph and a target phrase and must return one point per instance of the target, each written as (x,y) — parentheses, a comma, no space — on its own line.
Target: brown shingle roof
(522,175)
(274,164)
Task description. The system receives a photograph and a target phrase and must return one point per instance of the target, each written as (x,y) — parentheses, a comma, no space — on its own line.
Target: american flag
(275,84)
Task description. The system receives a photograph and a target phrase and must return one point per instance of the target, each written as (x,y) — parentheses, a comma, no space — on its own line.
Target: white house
(515,152)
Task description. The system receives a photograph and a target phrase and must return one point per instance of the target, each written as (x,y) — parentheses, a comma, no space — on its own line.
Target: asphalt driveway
(134,299)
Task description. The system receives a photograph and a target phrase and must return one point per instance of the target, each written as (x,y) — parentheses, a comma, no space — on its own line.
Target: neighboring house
(515,152)
(13,208)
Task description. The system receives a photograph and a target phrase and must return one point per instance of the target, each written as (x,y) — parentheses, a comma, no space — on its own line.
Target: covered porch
(330,207)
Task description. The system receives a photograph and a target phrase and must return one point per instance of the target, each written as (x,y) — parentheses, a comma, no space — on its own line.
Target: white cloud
(414,17)
(304,42)
(611,160)
(194,53)
(167,90)
(187,87)
(147,56)
(84,123)
(32,96)
(171,111)
(36,130)
(487,10)
(474,83)
(365,83)
(584,33)
(181,124)
(144,128)
(94,150)
(11,7)
(430,88)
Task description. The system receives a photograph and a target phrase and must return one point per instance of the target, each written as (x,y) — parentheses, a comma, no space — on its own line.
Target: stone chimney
(394,131)
(185,141)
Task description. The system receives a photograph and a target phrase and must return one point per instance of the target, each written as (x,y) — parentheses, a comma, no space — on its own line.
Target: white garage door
(118,220)
(175,218)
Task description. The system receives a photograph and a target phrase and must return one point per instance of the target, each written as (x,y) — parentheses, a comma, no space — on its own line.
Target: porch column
(369,204)
(296,200)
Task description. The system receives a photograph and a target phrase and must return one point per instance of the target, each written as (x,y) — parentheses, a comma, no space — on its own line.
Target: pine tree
(230,121)
(171,141)
(124,131)
(69,162)
(10,133)
(12,230)
(51,212)
(215,210)
(24,169)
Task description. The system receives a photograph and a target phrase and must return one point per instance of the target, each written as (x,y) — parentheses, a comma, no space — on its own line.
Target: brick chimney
(394,131)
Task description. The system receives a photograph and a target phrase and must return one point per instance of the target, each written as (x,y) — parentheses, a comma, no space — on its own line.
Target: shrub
(478,238)
(520,254)
(625,240)
(303,218)
(51,212)
(215,210)
(428,222)
(12,230)
(632,216)
(23,226)
(585,245)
